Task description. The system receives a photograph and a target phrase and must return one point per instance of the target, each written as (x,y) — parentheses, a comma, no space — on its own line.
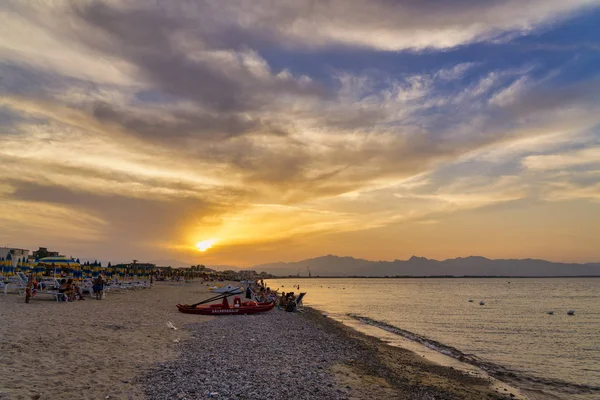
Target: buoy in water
(550,312)
(571,312)
(481,303)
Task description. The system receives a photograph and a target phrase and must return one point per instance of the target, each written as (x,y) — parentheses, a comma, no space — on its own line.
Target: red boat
(250,307)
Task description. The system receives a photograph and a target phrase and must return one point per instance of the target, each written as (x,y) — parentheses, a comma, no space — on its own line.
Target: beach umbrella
(108,270)
(2,263)
(57,263)
(87,269)
(95,269)
(24,266)
(37,268)
(9,265)
(30,265)
(78,270)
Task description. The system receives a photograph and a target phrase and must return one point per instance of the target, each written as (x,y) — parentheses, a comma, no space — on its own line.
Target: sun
(205,244)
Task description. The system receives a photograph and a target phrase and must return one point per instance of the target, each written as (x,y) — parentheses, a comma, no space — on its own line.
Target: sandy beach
(122,348)
(89,349)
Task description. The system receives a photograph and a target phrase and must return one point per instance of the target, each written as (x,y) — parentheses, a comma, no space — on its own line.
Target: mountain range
(331,265)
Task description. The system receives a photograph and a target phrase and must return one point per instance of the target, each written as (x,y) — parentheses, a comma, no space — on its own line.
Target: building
(15,254)
(43,252)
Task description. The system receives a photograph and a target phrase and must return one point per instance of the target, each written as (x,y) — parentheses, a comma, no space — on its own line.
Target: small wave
(495,370)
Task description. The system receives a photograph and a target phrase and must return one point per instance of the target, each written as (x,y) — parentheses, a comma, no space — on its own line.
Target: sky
(284,130)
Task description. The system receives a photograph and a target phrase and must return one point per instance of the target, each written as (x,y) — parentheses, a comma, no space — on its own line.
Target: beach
(89,349)
(123,348)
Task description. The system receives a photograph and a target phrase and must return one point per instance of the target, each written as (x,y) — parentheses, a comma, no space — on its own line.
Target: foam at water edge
(516,378)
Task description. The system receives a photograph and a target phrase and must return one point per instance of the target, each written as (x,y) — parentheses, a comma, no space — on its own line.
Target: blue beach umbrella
(9,265)
(26,266)
(87,269)
(59,263)
(37,268)
(95,269)
(108,271)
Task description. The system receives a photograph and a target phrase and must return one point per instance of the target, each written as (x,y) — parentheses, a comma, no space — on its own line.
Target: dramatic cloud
(144,128)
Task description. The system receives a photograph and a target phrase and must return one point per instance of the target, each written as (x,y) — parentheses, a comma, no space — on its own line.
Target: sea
(501,326)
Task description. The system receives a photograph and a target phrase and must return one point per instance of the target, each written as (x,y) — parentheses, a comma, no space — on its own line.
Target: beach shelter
(38,269)
(108,271)
(96,269)
(87,269)
(26,266)
(59,263)
(8,269)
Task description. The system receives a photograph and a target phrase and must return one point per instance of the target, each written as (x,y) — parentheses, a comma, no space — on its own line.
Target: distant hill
(331,265)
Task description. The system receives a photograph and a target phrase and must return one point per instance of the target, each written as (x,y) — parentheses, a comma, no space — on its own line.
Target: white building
(16,254)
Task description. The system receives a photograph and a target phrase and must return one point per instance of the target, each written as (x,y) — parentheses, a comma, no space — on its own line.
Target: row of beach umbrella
(57,266)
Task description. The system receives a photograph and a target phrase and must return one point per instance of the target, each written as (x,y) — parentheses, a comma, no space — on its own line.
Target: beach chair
(299,304)
(57,295)
(15,284)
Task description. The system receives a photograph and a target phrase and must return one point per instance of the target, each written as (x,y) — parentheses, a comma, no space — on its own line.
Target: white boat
(228,288)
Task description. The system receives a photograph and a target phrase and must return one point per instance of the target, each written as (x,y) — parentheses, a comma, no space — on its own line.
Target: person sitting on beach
(65,289)
(283,300)
(75,289)
(261,294)
(291,302)
(270,295)
(99,286)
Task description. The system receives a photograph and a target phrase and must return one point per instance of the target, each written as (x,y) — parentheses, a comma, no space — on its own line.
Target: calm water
(558,354)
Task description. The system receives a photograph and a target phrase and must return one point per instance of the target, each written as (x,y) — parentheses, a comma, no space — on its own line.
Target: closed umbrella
(26,266)
(9,265)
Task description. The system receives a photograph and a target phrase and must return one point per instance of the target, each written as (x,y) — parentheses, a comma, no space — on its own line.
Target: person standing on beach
(99,287)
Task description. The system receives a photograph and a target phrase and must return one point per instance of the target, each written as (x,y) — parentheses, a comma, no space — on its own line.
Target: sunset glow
(381,131)
(205,244)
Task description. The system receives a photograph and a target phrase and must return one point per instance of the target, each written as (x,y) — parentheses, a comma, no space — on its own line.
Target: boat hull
(216,310)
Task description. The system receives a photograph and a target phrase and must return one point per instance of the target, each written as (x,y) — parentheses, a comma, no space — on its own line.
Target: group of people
(260,292)
(68,288)
(287,301)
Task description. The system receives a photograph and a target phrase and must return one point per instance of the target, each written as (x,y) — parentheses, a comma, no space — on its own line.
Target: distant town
(14,260)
